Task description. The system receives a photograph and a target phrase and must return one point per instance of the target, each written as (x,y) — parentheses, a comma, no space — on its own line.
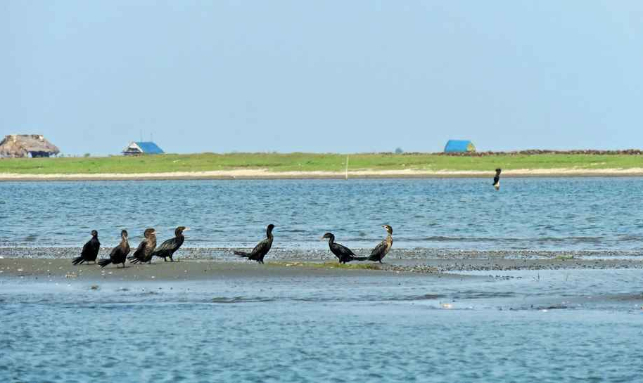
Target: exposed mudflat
(207,263)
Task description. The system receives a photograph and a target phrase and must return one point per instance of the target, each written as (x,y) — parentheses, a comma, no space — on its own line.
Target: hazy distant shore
(321,165)
(266,174)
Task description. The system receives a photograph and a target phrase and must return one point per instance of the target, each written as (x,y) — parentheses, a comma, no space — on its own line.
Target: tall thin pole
(346,167)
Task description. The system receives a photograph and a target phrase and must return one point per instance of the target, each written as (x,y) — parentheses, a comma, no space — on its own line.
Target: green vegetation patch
(310,162)
(327,265)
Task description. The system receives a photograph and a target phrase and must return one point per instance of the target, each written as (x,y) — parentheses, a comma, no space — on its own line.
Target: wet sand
(45,269)
(199,263)
(364,173)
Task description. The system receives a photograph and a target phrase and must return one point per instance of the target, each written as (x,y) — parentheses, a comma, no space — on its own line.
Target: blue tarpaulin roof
(149,147)
(459,146)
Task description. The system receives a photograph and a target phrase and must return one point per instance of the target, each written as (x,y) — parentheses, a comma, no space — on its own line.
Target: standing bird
(169,247)
(119,253)
(496,179)
(380,251)
(144,251)
(343,253)
(90,250)
(261,249)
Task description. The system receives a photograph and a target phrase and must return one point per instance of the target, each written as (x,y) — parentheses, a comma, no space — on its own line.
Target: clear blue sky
(323,76)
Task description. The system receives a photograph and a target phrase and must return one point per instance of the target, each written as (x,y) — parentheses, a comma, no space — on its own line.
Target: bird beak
(322,238)
(186,229)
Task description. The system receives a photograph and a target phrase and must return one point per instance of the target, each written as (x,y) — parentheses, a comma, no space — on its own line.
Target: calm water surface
(544,326)
(528,213)
(550,326)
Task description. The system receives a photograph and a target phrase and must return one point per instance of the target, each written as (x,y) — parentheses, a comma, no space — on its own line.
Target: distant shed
(138,148)
(459,146)
(25,145)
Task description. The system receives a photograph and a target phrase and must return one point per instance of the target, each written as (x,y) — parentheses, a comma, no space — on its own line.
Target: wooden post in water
(347,167)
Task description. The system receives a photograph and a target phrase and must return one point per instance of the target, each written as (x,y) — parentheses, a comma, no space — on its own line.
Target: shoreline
(259,174)
(203,270)
(225,254)
(210,264)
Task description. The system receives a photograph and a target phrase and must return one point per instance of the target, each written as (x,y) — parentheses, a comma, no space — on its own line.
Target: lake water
(526,326)
(547,326)
(528,213)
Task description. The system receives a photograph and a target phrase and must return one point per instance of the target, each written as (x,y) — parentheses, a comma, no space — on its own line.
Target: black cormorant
(261,249)
(496,179)
(144,251)
(380,251)
(169,247)
(90,250)
(343,253)
(119,253)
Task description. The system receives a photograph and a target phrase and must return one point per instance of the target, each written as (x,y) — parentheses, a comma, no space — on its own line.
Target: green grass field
(311,162)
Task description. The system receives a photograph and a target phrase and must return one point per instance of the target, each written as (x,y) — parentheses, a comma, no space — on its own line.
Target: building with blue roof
(459,146)
(142,147)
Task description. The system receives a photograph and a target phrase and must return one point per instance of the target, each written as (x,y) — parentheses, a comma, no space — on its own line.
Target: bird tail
(360,258)
(104,262)
(133,259)
(242,254)
(77,260)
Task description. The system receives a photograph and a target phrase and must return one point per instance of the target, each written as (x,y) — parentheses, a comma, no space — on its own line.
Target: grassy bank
(307,162)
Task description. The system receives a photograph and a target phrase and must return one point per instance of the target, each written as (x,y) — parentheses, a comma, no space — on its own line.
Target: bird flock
(144,253)
(147,249)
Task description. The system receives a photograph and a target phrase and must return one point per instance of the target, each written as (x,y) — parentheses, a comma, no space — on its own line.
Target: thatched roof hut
(23,145)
